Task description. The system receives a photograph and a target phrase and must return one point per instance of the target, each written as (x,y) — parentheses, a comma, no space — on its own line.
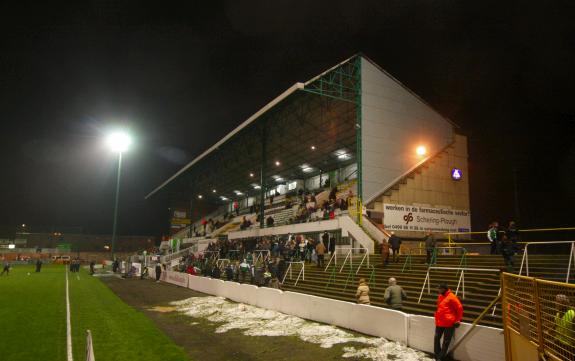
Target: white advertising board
(403,217)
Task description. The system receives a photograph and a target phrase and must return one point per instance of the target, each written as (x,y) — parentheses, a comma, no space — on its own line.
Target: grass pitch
(33,320)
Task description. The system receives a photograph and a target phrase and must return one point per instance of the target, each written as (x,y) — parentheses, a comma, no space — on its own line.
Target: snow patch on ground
(261,322)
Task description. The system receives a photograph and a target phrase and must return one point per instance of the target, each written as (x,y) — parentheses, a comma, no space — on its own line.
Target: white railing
(222,262)
(349,256)
(171,256)
(290,269)
(525,259)
(262,254)
(461,281)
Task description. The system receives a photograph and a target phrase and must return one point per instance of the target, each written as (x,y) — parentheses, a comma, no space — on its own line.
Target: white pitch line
(68,324)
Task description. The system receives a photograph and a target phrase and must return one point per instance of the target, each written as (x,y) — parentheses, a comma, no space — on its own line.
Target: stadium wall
(485,344)
(394,122)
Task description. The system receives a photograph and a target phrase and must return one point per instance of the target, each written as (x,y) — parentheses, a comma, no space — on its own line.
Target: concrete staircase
(480,287)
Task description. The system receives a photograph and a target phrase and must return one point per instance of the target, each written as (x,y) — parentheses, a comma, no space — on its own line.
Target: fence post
(540,335)
(569,268)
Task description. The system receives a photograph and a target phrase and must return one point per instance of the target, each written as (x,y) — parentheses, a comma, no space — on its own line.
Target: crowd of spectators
(262,261)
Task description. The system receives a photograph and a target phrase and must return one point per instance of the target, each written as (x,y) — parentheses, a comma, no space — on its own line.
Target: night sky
(180,77)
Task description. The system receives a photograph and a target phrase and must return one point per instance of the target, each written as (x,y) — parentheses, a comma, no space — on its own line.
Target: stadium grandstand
(348,159)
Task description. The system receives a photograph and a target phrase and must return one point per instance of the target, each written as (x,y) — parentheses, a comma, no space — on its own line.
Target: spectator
(507,250)
(270,221)
(92,265)
(395,243)
(244,269)
(230,271)
(513,234)
(158,272)
(447,318)
(394,295)
(320,250)
(362,293)
(237,208)
(430,244)
(331,245)
(385,253)
(493,236)
(564,327)
(38,265)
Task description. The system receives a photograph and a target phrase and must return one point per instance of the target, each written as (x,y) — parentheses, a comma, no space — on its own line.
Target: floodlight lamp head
(119,142)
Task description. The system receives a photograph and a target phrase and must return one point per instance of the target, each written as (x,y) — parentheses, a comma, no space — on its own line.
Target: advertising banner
(403,217)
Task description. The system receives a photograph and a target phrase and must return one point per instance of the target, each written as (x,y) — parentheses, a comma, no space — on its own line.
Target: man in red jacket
(447,318)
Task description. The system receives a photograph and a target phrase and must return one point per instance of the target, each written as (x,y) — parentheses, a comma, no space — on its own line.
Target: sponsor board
(403,217)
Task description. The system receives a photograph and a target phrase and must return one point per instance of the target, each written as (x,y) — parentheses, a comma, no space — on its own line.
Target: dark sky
(181,76)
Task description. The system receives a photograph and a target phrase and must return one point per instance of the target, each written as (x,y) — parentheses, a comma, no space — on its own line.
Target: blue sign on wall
(456,174)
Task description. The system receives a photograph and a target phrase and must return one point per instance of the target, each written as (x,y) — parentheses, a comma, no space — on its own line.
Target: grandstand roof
(292,123)
(321,112)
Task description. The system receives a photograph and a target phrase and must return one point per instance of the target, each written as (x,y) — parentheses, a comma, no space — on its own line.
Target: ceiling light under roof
(223,198)
(256,186)
(238,193)
(278,163)
(306,168)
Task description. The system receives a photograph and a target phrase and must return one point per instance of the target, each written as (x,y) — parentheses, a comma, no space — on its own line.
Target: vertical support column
(358,125)
(190,234)
(262,177)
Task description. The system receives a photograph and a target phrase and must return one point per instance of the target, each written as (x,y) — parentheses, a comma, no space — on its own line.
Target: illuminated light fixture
(278,178)
(119,142)
(23,225)
(251,175)
(213,191)
(306,168)
(421,150)
(256,186)
(238,193)
(278,163)
(223,198)
(342,154)
(313,147)
(200,196)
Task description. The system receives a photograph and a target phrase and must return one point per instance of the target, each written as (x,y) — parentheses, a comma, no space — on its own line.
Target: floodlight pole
(262,179)
(116,204)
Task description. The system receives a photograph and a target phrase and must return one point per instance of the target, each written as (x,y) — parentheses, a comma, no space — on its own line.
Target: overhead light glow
(223,198)
(278,163)
(251,175)
(313,147)
(342,154)
(306,168)
(421,150)
(256,186)
(213,191)
(119,142)
(278,178)
(238,193)
(200,196)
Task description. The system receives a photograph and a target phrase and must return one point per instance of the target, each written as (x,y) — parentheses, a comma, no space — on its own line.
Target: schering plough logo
(408,218)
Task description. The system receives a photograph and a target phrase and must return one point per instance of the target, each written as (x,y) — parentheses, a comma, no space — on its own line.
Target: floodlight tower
(118,142)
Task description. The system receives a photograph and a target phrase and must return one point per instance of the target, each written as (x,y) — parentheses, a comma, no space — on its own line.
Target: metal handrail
(334,258)
(362,260)
(461,281)
(525,258)
(291,274)
(261,253)
(350,256)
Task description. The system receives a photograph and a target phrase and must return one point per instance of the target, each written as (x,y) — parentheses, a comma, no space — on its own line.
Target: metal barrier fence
(538,318)
(525,259)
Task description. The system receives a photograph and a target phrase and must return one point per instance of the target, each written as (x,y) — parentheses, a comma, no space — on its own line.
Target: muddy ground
(197,337)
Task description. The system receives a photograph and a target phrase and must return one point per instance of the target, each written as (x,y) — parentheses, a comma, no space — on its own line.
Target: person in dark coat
(92,265)
(332,245)
(430,243)
(38,265)
(385,253)
(158,272)
(395,244)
